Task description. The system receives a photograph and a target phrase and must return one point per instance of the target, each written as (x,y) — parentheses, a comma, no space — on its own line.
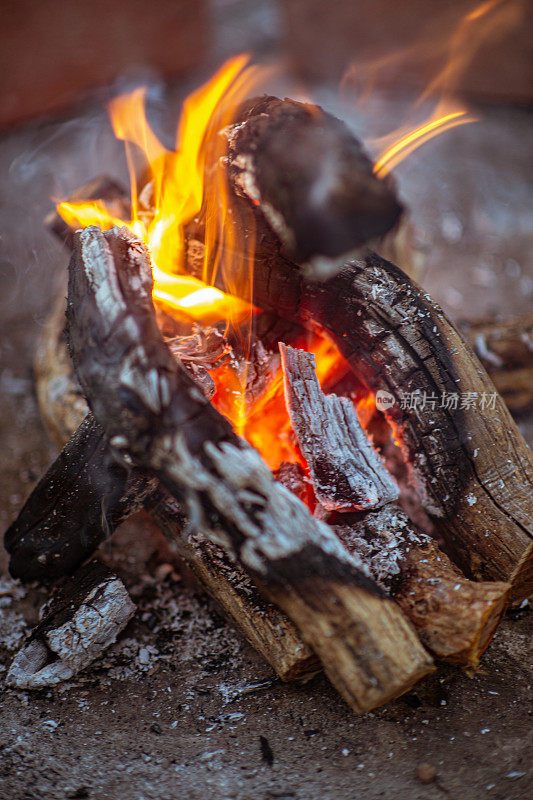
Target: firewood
(505,348)
(345,469)
(471,464)
(266,627)
(81,620)
(454,617)
(155,416)
(80,500)
(310,176)
(262,623)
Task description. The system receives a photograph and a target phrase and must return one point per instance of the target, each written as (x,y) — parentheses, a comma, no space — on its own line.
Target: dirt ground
(181,706)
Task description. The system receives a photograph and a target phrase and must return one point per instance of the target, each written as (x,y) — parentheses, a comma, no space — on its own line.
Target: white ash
(383,540)
(60,653)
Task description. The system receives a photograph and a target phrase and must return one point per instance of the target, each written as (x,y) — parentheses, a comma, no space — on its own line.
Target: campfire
(253,370)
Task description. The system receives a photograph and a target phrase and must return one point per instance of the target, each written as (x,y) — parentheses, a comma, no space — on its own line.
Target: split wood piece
(77,504)
(154,414)
(310,176)
(454,617)
(469,461)
(505,348)
(345,469)
(266,627)
(81,620)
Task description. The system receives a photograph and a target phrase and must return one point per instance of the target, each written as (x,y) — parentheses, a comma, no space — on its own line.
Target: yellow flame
(174,192)
(407,144)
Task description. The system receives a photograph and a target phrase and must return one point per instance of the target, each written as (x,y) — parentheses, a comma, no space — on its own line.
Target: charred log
(345,469)
(82,619)
(454,617)
(310,176)
(467,457)
(153,413)
(77,504)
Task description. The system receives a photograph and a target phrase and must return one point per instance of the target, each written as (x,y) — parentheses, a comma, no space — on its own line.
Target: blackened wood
(310,176)
(152,411)
(454,617)
(78,503)
(347,472)
(468,459)
(265,626)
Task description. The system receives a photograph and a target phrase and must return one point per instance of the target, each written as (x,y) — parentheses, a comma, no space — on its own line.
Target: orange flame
(176,187)
(408,143)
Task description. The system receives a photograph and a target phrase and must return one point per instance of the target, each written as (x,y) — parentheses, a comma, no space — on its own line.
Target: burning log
(466,455)
(454,617)
(506,351)
(329,200)
(154,415)
(82,619)
(346,471)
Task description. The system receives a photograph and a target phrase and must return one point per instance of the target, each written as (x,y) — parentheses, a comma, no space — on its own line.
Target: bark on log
(505,348)
(310,176)
(154,414)
(471,464)
(454,617)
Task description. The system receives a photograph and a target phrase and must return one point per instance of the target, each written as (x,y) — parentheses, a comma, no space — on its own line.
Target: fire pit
(223,376)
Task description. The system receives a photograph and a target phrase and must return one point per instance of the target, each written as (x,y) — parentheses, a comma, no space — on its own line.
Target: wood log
(505,348)
(328,201)
(153,413)
(471,465)
(345,469)
(262,623)
(80,500)
(81,620)
(267,628)
(454,617)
